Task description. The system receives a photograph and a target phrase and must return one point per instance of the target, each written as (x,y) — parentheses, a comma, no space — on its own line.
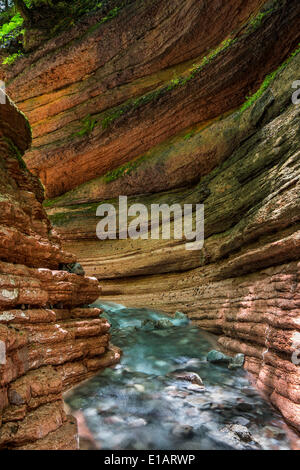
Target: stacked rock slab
(49,340)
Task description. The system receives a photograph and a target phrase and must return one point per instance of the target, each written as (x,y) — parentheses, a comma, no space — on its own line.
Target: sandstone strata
(97,99)
(49,340)
(158,113)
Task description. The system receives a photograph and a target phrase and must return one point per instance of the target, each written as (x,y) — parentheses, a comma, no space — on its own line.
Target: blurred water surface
(143,403)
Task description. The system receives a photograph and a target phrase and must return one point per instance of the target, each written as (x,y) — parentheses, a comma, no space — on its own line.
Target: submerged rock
(273,432)
(183,431)
(241,432)
(195,388)
(181,317)
(189,377)
(244,406)
(242,421)
(239,437)
(217,357)
(140,388)
(237,361)
(134,422)
(162,323)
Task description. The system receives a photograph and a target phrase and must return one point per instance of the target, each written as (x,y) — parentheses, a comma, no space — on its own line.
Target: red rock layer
(90,73)
(48,340)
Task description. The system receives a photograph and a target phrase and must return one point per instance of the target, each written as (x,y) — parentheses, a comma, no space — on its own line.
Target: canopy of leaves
(44,14)
(49,16)
(11,28)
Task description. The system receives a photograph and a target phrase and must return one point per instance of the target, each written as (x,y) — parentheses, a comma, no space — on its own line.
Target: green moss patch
(12,58)
(267,82)
(88,124)
(123,170)
(16,152)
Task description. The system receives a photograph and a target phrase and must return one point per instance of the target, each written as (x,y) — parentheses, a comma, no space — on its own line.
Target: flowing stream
(146,402)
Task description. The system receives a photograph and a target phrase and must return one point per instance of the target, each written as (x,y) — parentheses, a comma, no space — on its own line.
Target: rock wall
(97,99)
(49,339)
(153,103)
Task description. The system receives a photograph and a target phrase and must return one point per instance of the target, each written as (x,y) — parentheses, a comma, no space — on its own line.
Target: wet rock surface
(149,400)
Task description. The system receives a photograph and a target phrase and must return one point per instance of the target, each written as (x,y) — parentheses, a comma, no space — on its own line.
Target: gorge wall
(181,102)
(49,339)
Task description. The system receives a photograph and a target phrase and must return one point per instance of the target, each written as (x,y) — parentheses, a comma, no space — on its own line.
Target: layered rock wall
(49,339)
(182,102)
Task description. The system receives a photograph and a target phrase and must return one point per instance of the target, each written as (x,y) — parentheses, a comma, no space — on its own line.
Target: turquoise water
(143,403)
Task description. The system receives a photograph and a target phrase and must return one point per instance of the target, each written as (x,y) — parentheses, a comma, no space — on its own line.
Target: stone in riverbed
(244,406)
(107,410)
(237,361)
(197,401)
(183,431)
(250,392)
(242,432)
(181,318)
(160,324)
(114,420)
(206,406)
(136,422)
(217,357)
(189,377)
(242,421)
(238,436)
(196,388)
(273,432)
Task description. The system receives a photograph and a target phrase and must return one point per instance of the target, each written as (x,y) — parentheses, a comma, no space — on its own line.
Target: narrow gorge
(164,103)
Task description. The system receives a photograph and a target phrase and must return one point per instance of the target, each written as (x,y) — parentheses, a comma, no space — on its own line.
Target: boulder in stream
(217,357)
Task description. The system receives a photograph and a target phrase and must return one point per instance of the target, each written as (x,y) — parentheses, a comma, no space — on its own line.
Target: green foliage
(128,106)
(110,15)
(60,218)
(108,120)
(7,28)
(71,12)
(257,21)
(52,15)
(123,170)
(11,30)
(12,58)
(266,83)
(88,124)
(189,135)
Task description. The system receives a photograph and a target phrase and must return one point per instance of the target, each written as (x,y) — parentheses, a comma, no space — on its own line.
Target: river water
(146,403)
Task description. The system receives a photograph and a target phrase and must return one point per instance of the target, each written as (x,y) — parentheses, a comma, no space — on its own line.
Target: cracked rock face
(48,341)
(152,105)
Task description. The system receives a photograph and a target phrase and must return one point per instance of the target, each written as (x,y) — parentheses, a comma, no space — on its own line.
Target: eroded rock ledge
(48,340)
